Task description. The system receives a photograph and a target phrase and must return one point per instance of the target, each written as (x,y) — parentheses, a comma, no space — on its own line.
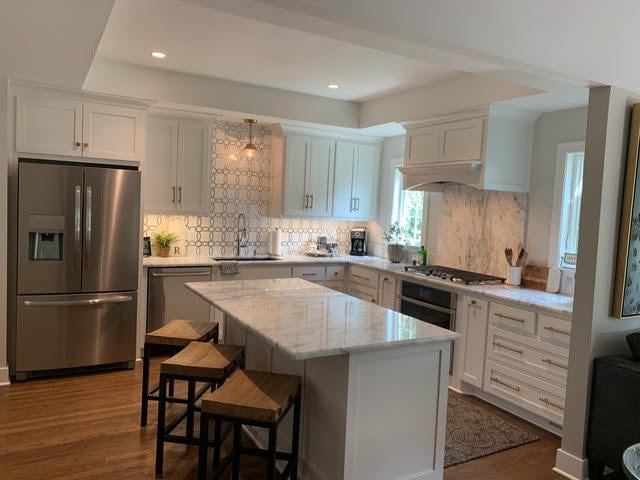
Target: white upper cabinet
(60,126)
(176,173)
(487,148)
(356,182)
(308,176)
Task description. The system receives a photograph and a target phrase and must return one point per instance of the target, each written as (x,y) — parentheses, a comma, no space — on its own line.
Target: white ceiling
(213,43)
(371,47)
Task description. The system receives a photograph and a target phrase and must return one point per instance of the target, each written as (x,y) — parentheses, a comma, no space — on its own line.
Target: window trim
(395,164)
(558,193)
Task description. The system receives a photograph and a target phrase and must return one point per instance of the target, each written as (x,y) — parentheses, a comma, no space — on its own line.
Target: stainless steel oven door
(428,312)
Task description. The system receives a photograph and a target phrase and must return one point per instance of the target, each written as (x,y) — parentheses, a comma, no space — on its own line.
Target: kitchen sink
(255,258)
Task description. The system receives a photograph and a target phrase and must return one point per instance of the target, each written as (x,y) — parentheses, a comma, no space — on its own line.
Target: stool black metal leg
(145,385)
(217,440)
(295,436)
(235,472)
(271,458)
(162,405)
(191,400)
(203,447)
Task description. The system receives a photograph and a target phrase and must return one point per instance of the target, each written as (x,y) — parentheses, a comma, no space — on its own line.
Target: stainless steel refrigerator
(76,269)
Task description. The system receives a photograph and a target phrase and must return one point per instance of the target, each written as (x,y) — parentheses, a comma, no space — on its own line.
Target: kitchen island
(375,381)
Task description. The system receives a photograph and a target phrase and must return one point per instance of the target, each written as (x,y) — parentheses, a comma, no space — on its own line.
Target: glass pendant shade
(250,149)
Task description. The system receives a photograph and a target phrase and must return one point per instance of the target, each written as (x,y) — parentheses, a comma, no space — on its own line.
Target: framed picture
(626,293)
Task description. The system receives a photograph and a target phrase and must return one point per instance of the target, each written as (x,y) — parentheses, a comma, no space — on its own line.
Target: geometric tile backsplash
(242,185)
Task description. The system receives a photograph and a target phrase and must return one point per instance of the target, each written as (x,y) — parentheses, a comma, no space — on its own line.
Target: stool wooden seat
(176,335)
(197,362)
(255,398)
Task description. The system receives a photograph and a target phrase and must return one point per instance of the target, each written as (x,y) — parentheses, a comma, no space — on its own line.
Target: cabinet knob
(473,302)
(85,145)
(78,144)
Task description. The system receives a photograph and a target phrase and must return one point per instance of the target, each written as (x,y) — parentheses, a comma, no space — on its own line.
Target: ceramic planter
(395,253)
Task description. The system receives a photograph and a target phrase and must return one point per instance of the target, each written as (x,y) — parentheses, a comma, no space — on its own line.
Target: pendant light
(250,149)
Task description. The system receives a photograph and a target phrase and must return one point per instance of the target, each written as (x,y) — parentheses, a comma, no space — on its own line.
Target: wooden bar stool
(255,398)
(197,362)
(176,334)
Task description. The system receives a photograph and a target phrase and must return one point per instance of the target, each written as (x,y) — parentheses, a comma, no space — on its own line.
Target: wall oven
(430,305)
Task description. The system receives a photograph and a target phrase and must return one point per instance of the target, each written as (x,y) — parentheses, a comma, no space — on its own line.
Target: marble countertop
(306,320)
(551,303)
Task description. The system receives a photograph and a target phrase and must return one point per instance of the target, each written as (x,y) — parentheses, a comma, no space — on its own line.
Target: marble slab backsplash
(477,225)
(242,185)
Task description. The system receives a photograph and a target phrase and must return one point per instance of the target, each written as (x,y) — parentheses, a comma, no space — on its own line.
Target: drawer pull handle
(508,347)
(309,274)
(553,404)
(515,319)
(360,276)
(554,363)
(505,384)
(557,330)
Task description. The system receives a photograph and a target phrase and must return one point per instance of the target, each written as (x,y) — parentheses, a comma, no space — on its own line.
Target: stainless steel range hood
(430,176)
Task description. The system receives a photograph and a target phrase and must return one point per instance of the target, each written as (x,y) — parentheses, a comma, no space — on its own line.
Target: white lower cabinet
(527,360)
(387,292)
(335,277)
(314,274)
(363,283)
(471,324)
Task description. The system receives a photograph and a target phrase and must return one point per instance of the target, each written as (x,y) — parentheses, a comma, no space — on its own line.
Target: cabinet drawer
(529,355)
(364,276)
(512,318)
(364,293)
(554,330)
(337,285)
(335,272)
(532,394)
(312,274)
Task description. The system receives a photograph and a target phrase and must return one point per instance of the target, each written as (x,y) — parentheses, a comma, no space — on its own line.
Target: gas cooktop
(453,274)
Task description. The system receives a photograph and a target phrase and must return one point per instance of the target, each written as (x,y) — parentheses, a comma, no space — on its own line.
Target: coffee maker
(358,241)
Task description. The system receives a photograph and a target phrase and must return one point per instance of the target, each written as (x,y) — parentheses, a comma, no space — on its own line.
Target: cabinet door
(320,178)
(193,172)
(462,140)
(472,315)
(366,173)
(296,201)
(343,197)
(423,145)
(111,132)
(387,292)
(160,169)
(48,126)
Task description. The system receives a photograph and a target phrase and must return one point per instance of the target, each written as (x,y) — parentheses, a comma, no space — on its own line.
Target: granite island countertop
(306,320)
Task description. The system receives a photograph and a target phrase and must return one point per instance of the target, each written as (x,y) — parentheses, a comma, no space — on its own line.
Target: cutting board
(535,277)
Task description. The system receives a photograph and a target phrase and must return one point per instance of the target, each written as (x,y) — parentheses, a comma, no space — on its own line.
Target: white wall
(550,130)
(392,149)
(595,332)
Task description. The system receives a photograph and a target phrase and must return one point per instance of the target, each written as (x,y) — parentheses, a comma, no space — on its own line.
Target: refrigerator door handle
(77,224)
(78,303)
(87,227)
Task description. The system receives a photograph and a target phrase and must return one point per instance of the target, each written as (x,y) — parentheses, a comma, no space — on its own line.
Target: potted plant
(163,241)
(396,237)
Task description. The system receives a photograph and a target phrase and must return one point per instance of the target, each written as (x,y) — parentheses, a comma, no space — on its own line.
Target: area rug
(474,432)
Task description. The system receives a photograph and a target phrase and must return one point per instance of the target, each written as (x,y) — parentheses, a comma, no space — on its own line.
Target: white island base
(377,414)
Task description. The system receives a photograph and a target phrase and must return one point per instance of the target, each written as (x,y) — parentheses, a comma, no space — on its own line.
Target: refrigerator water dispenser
(46,237)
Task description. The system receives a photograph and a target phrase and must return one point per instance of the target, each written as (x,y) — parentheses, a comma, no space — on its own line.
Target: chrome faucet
(241,236)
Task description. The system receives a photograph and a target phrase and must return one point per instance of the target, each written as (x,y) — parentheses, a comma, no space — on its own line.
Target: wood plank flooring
(87,427)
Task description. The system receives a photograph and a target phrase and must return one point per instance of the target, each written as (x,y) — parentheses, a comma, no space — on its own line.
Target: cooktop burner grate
(453,274)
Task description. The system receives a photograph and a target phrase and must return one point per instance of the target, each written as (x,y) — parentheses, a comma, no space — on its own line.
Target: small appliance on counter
(358,241)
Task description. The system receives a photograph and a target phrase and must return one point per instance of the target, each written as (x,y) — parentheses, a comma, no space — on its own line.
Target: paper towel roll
(276,248)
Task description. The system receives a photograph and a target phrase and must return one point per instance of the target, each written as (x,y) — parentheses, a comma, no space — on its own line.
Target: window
(567,199)
(408,208)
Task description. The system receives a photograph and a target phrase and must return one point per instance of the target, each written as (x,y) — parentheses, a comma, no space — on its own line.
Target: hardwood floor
(87,427)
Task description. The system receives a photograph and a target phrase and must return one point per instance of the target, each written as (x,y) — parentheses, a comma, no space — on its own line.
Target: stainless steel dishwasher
(168,298)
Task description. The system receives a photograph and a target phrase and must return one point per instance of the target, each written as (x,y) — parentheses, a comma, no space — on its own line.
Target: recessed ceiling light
(157,54)
(333,85)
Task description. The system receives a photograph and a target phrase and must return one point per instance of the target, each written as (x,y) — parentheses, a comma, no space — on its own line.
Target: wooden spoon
(509,254)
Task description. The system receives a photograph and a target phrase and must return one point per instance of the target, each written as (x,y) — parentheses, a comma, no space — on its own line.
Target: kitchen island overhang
(375,380)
